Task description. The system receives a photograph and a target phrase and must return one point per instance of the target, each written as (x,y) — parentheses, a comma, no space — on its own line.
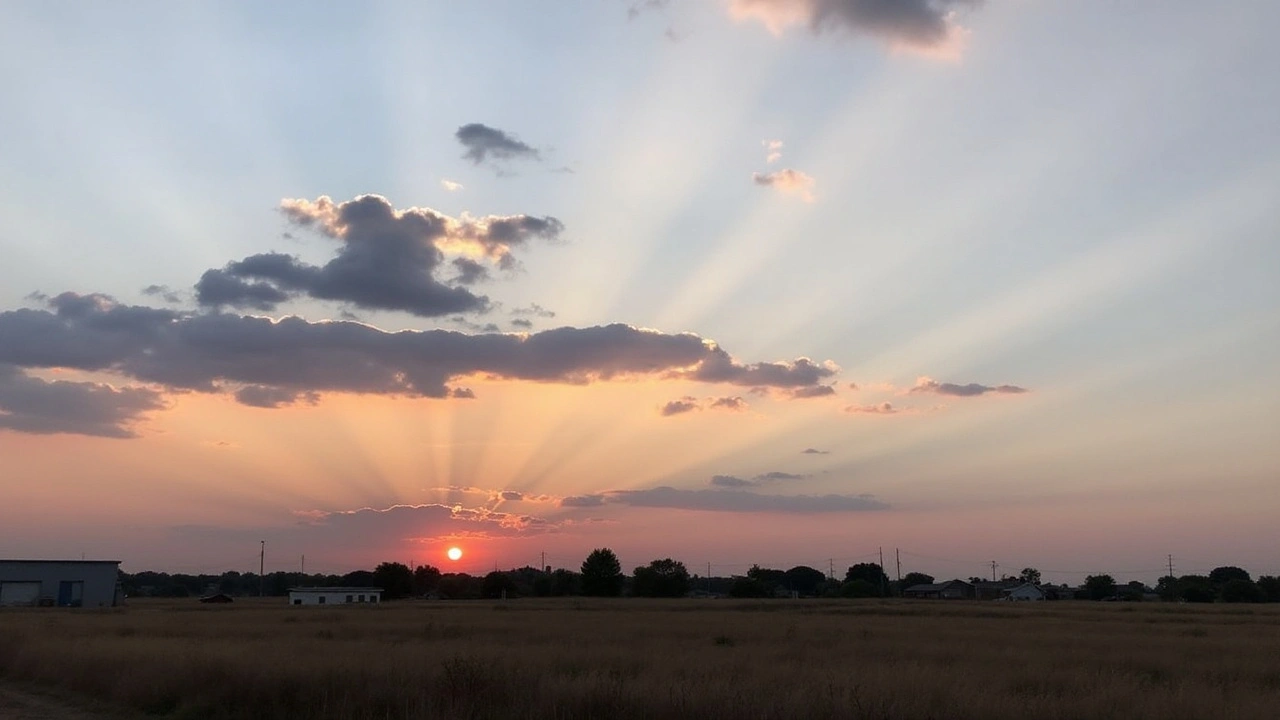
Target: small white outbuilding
(1024,592)
(334,595)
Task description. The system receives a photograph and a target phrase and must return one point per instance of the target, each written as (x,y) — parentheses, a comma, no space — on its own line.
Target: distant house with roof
(949,590)
(1025,592)
(334,595)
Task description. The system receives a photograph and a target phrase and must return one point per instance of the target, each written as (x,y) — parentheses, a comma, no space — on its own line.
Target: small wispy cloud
(451,186)
(925,384)
(788,182)
(773,151)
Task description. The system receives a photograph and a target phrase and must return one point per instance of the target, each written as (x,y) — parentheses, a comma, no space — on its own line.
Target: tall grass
(637,659)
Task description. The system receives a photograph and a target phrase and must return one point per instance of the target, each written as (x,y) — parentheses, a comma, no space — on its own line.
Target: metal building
(61,583)
(334,595)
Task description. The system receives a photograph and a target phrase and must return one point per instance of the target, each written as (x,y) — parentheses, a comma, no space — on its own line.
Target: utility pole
(262,564)
(884,577)
(993,571)
(1171,566)
(708,578)
(304,565)
(897,555)
(831,568)
(544,561)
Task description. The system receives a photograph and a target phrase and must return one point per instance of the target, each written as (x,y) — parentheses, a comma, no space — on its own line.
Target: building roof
(72,562)
(336,589)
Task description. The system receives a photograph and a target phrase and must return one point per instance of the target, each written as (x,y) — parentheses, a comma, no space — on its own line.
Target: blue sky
(1083,203)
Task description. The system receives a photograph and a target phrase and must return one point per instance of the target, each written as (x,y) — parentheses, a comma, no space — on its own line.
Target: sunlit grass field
(628,658)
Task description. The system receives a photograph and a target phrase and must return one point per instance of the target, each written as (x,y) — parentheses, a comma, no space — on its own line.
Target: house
(1025,591)
(61,583)
(949,590)
(994,590)
(334,595)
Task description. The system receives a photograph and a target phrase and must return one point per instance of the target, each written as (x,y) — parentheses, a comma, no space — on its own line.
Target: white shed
(334,595)
(1026,591)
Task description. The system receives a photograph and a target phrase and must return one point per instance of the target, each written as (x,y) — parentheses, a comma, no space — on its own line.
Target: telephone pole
(262,564)
(897,555)
(304,565)
(1171,566)
(544,561)
(884,577)
(993,571)
(831,568)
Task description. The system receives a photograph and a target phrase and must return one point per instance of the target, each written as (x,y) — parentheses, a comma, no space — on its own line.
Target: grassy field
(654,659)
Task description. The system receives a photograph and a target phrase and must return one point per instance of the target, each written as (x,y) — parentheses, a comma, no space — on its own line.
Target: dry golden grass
(654,659)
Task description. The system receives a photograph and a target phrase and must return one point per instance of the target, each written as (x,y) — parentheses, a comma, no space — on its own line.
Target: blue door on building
(71,593)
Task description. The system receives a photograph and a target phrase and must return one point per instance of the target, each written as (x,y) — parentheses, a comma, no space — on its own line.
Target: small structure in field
(60,583)
(217,598)
(1026,591)
(949,590)
(334,595)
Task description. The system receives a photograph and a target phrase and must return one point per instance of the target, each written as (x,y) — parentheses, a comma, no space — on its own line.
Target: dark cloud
(719,367)
(735,404)
(462,394)
(814,451)
(485,143)
(389,259)
(742,501)
(263,396)
(915,23)
(776,476)
(579,501)
(33,405)
(223,352)
(469,271)
(637,7)
(534,310)
(676,407)
(929,385)
(730,481)
(522,323)
(813,391)
(163,292)
(511,495)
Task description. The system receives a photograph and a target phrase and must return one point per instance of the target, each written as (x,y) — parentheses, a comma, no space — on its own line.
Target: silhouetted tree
(395,579)
(1030,575)
(358,578)
(872,573)
(859,588)
(661,578)
(496,583)
(804,579)
(1237,590)
(768,578)
(426,578)
(748,587)
(1099,586)
(1220,576)
(916,578)
(1195,589)
(565,582)
(1167,588)
(458,585)
(602,574)
(1270,587)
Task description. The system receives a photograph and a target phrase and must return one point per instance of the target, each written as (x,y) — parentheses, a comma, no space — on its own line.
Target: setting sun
(454,553)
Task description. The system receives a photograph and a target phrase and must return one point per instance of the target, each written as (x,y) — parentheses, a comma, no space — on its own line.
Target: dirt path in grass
(17,703)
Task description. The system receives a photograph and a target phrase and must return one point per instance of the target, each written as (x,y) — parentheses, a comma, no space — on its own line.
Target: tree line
(601,575)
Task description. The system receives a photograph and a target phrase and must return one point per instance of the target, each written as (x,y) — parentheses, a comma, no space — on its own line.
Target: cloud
(814,451)
(926,26)
(462,394)
(534,310)
(637,7)
(43,407)
(408,522)
(677,407)
(388,260)
(735,404)
(451,186)
(223,352)
(485,143)
(522,323)
(773,151)
(926,384)
(728,500)
(730,481)
(776,476)
(788,182)
(880,409)
(813,391)
(581,501)
(271,397)
(719,367)
(164,292)
(469,271)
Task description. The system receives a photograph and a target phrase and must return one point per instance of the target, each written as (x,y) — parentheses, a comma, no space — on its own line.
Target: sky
(730,281)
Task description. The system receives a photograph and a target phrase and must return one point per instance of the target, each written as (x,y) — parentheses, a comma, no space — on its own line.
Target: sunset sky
(731,281)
